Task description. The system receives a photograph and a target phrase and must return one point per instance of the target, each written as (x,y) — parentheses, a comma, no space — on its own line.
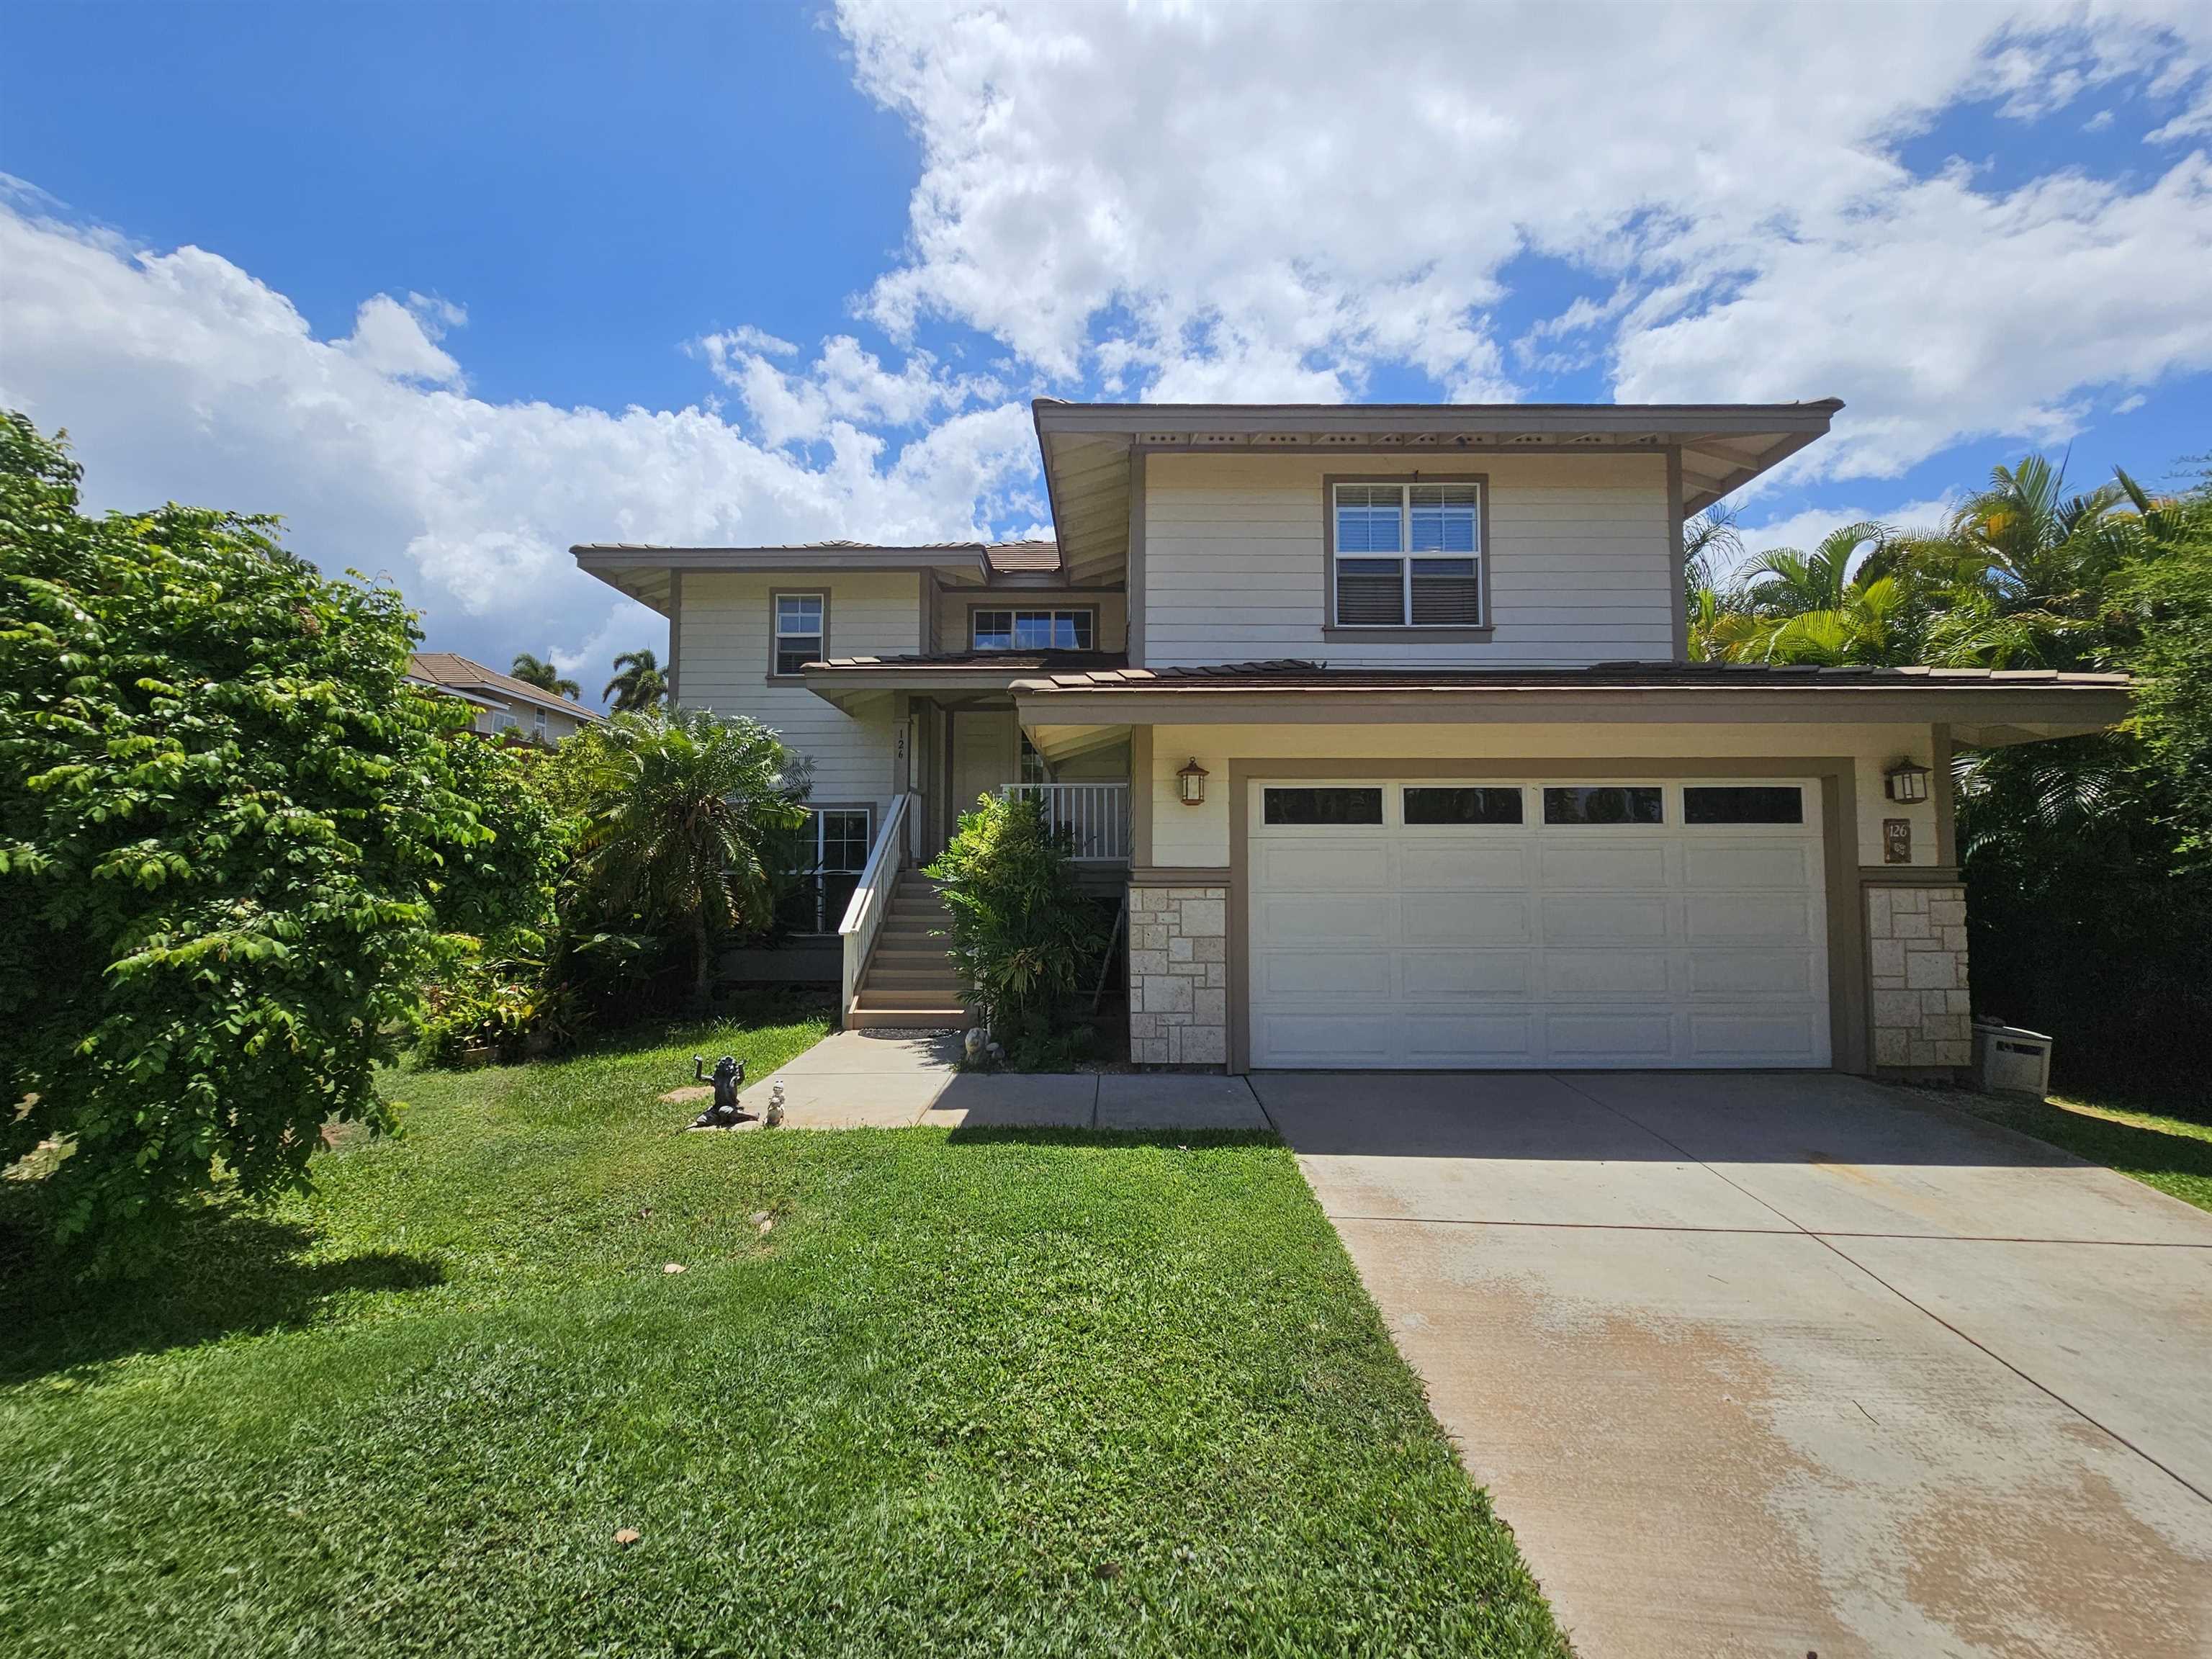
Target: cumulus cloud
(1286,201)
(182,376)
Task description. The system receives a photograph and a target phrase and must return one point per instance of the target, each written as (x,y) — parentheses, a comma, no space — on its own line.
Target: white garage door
(1583,923)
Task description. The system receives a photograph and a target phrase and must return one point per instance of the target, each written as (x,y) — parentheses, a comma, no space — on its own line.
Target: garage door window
(1463,804)
(1747,804)
(1320,806)
(1605,804)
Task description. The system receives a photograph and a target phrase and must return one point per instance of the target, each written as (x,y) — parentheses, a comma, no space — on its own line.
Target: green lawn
(1006,1394)
(2172,1154)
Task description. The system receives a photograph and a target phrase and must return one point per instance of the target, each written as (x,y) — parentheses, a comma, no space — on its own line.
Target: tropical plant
(224,819)
(680,813)
(1023,933)
(540,672)
(1784,582)
(638,684)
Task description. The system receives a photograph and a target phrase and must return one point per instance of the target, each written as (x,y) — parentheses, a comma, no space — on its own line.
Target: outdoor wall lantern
(1907,781)
(1191,781)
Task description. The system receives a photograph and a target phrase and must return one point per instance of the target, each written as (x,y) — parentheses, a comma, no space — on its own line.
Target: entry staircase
(909,983)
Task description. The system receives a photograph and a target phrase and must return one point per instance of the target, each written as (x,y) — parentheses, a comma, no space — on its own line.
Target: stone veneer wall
(1179,975)
(1917,950)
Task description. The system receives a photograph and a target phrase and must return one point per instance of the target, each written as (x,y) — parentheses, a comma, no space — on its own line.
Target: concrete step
(878,998)
(950,1019)
(935,987)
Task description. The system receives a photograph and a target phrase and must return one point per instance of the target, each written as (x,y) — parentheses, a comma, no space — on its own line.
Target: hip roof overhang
(1983,709)
(1088,449)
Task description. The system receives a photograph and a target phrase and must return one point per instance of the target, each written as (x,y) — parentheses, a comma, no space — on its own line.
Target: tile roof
(450,668)
(1008,558)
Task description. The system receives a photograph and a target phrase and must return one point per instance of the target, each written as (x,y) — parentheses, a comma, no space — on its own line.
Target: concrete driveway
(1791,1363)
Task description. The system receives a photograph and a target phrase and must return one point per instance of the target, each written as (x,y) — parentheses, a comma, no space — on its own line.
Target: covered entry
(1532,922)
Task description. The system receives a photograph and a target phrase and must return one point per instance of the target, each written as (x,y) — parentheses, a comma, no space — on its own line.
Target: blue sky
(452,286)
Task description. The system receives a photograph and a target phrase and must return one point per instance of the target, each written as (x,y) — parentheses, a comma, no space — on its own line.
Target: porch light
(1191,783)
(1907,781)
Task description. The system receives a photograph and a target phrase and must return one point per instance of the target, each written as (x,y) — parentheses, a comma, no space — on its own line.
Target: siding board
(1580,565)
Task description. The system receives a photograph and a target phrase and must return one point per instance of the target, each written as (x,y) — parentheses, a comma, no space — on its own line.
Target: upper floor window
(540,724)
(800,622)
(1409,555)
(1033,630)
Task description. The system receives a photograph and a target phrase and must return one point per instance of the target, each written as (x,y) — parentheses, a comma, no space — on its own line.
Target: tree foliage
(681,817)
(1023,933)
(639,683)
(540,672)
(227,825)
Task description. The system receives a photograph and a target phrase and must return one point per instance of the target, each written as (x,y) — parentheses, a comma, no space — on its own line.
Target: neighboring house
(505,706)
(1384,715)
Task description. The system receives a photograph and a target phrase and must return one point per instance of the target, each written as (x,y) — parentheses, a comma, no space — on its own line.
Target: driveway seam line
(1266,1116)
(2180,1480)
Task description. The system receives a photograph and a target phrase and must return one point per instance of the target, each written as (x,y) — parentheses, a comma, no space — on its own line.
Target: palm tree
(2046,557)
(541,673)
(638,683)
(683,811)
(1784,582)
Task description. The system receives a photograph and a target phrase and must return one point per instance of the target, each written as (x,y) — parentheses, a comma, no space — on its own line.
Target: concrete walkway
(893,1079)
(1782,1364)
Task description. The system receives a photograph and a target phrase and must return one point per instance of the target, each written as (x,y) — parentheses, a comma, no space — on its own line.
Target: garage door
(1539,922)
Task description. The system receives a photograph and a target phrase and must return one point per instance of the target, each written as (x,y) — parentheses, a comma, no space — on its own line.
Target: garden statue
(774,1105)
(729,1077)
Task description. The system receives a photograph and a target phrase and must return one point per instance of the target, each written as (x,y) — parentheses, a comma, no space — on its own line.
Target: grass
(2172,1154)
(1011,1394)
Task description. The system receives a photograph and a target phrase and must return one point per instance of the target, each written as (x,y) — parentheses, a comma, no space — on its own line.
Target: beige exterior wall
(953,604)
(1199,836)
(1582,561)
(725,650)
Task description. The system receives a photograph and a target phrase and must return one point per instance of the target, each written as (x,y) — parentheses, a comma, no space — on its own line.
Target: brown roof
(1293,674)
(449,668)
(1006,557)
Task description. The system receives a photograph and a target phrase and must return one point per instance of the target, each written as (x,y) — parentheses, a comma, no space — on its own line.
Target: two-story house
(504,706)
(1384,715)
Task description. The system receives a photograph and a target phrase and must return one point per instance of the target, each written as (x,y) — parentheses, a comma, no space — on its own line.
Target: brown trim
(1195,701)
(1329,626)
(775,593)
(1674,532)
(1911,875)
(1000,600)
(1946,824)
(1178,875)
(1132,626)
(1140,797)
(927,634)
(1850,1039)
(674,635)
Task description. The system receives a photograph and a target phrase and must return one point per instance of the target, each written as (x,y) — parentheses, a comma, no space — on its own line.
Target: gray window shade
(1370,592)
(1446,593)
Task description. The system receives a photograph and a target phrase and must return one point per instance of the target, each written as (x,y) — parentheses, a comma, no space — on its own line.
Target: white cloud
(1281,202)
(181,377)
(847,385)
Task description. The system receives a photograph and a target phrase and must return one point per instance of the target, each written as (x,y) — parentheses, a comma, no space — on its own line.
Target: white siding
(1199,835)
(724,658)
(1581,568)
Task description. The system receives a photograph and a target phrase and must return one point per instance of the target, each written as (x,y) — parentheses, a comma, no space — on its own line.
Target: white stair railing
(871,900)
(1095,815)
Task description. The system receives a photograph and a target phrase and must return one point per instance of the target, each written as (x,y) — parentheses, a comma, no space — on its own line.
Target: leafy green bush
(225,821)
(1022,932)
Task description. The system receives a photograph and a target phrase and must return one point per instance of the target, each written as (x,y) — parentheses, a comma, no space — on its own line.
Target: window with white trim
(1033,630)
(1407,555)
(799,638)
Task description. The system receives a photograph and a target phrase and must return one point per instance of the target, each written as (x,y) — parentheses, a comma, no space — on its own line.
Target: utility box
(2011,1061)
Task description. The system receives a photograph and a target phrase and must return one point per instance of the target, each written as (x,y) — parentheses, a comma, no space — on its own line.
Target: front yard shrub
(226,824)
(1022,932)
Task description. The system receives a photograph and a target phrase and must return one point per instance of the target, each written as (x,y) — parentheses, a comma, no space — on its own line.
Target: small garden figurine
(729,1077)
